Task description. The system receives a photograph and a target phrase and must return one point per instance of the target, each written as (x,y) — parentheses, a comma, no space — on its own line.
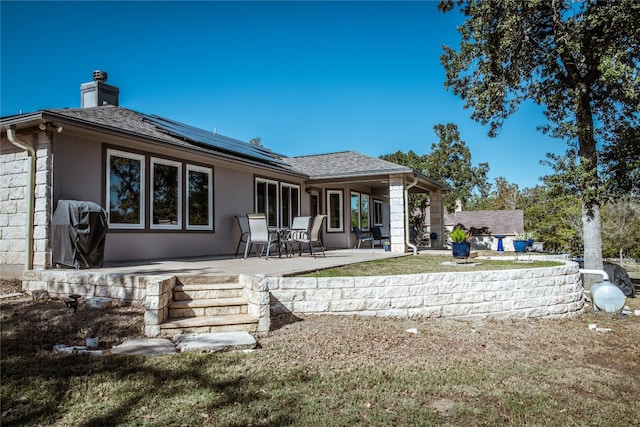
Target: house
(172,190)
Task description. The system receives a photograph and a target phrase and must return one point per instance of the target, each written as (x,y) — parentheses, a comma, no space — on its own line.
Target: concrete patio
(229,266)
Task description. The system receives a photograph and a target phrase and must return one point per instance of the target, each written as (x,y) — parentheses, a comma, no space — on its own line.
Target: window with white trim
(199,198)
(267,200)
(360,210)
(289,203)
(334,210)
(377,213)
(125,189)
(166,194)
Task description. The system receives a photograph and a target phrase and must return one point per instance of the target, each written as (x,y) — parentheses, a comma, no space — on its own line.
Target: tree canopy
(449,162)
(577,59)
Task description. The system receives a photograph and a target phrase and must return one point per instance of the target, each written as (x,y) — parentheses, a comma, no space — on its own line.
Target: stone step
(207,324)
(207,307)
(207,291)
(205,280)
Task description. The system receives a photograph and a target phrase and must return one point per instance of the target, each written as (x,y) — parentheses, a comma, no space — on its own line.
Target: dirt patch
(342,341)
(10,286)
(39,325)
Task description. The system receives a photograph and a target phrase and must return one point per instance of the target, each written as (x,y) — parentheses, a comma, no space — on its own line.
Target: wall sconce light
(43,126)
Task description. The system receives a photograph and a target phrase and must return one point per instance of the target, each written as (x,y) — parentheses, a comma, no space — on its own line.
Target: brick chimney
(98,92)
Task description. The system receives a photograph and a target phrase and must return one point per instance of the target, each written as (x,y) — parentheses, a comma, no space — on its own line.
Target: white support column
(397,214)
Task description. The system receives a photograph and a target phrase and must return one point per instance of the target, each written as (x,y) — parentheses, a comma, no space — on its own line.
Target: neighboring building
(173,190)
(486,225)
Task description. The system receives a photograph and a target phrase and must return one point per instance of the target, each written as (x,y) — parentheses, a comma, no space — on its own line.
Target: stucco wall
(553,292)
(79,167)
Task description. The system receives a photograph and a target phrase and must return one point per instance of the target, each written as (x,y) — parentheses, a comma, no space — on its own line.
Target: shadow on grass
(40,387)
(120,390)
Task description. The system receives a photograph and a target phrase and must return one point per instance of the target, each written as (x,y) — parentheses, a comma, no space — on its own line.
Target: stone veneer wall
(13,190)
(553,292)
(396,214)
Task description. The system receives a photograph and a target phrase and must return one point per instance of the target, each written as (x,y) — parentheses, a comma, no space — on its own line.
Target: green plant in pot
(521,241)
(460,244)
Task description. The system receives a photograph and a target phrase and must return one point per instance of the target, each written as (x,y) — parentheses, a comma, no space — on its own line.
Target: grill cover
(78,231)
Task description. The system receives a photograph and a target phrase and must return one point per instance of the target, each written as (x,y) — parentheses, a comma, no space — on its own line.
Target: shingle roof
(118,119)
(496,222)
(343,164)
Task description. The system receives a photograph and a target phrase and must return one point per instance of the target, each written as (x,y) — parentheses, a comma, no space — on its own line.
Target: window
(360,210)
(314,200)
(166,194)
(334,210)
(364,211)
(125,189)
(377,213)
(290,203)
(199,198)
(267,200)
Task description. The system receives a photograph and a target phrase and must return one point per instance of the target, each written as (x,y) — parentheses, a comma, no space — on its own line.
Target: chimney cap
(100,76)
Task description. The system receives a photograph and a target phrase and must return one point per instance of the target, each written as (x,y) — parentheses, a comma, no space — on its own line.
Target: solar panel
(215,140)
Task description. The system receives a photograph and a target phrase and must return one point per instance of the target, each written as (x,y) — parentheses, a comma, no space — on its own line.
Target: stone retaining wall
(153,292)
(122,288)
(256,292)
(553,292)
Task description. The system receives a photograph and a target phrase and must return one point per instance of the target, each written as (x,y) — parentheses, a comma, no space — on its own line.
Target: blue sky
(305,77)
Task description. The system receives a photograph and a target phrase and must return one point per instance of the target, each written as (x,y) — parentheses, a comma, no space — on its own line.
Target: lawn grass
(425,264)
(331,371)
(335,370)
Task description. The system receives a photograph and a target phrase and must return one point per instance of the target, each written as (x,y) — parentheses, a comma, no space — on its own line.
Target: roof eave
(32,119)
(431,181)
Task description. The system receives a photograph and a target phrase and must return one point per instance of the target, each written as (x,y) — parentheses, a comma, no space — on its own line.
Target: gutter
(407,235)
(29,207)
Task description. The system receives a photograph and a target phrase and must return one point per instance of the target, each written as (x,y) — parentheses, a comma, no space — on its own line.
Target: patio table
(282,239)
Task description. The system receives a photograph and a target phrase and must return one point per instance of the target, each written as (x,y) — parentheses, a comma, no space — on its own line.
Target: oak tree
(579,60)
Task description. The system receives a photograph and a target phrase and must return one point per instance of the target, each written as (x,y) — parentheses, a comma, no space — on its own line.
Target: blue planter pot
(520,245)
(461,250)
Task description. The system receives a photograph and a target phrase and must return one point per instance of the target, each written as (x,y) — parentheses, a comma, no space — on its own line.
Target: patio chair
(362,237)
(377,236)
(259,234)
(243,224)
(299,223)
(311,236)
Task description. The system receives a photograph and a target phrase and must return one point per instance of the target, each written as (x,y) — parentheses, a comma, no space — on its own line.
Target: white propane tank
(607,296)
